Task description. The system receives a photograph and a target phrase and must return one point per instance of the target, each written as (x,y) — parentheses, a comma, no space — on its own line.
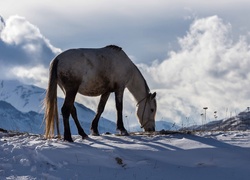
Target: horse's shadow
(156,142)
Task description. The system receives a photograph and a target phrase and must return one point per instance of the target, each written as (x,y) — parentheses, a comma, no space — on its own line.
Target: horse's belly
(93,89)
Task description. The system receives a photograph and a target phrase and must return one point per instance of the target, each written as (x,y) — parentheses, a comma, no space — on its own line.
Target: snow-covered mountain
(159,125)
(21,109)
(12,119)
(239,122)
(24,99)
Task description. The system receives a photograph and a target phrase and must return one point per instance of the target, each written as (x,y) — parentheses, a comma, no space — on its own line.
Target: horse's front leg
(119,107)
(100,109)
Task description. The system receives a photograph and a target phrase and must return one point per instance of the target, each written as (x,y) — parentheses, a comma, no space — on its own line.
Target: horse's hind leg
(79,127)
(100,109)
(66,110)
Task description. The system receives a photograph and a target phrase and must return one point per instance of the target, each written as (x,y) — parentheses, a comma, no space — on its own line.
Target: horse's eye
(152,110)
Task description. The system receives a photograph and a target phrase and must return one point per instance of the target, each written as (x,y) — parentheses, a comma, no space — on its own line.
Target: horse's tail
(50,102)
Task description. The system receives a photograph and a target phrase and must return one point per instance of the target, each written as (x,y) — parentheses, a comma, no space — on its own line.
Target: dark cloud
(12,55)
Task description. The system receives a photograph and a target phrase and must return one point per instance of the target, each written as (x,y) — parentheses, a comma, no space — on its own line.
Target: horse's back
(97,70)
(107,56)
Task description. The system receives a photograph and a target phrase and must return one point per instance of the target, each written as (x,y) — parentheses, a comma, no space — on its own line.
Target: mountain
(239,122)
(12,119)
(23,97)
(21,109)
(167,125)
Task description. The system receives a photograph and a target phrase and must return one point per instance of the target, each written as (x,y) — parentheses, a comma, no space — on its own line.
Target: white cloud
(20,32)
(37,75)
(209,70)
(25,52)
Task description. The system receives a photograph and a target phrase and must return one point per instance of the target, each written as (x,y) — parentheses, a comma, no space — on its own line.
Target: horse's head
(146,112)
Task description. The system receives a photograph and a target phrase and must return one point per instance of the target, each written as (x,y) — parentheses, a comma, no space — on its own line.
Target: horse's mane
(117,48)
(145,82)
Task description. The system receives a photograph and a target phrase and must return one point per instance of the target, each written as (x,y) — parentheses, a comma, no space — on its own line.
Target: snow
(211,155)
(23,97)
(206,156)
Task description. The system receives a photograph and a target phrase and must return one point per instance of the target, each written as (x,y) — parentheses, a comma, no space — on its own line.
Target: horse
(96,72)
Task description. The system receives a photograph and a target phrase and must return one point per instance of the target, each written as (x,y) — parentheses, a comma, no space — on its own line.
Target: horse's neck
(138,86)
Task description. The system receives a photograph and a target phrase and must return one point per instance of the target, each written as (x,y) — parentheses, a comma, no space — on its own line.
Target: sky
(193,54)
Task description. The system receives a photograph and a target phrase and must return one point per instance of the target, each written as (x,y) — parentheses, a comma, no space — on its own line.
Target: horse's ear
(153,95)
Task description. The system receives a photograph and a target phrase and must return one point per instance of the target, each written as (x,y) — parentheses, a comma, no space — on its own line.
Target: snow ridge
(240,122)
(207,156)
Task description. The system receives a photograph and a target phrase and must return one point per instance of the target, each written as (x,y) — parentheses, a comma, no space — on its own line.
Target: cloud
(143,28)
(210,69)
(23,47)
(37,74)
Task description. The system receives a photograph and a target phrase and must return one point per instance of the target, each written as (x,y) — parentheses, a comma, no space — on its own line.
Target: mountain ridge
(18,101)
(29,98)
(240,122)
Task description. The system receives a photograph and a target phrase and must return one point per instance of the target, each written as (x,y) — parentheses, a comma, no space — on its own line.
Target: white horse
(94,72)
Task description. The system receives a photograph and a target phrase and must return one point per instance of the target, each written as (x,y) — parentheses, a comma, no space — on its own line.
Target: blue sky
(193,53)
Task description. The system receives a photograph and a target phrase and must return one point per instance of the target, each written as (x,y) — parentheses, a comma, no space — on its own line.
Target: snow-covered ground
(217,155)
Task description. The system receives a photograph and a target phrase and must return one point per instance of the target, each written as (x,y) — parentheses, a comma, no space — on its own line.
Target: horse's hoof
(68,139)
(95,133)
(124,133)
(85,136)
